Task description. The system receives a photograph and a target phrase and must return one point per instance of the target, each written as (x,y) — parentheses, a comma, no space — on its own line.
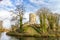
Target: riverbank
(29,35)
(1,31)
(21,34)
(3,36)
(32,32)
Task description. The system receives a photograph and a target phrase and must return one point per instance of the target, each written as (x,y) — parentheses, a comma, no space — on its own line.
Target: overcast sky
(30,6)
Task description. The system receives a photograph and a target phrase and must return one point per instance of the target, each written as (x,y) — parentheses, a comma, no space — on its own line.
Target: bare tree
(19,11)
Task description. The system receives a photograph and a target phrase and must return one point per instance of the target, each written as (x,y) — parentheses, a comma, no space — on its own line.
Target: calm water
(3,36)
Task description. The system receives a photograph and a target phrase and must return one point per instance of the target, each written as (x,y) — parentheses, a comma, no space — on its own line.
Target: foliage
(29,30)
(47,20)
(42,16)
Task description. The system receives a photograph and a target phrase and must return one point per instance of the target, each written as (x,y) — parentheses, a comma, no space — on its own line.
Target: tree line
(49,21)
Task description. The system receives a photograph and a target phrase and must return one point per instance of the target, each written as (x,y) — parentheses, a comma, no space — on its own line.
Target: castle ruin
(32,18)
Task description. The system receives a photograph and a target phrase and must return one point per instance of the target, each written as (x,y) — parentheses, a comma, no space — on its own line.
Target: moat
(3,36)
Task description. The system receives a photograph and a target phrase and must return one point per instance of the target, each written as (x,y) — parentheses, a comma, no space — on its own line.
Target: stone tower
(1,22)
(32,18)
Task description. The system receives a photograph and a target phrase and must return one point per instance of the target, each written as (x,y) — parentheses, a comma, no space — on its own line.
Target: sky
(30,6)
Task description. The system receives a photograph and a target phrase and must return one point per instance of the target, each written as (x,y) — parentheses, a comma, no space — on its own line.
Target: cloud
(38,2)
(17,2)
(30,8)
(6,3)
(7,24)
(9,4)
(54,5)
(5,15)
(26,16)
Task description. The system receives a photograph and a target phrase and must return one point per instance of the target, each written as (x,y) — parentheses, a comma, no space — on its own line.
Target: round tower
(32,18)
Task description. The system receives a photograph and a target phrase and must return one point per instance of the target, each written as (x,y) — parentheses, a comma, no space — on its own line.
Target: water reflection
(3,36)
(40,38)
